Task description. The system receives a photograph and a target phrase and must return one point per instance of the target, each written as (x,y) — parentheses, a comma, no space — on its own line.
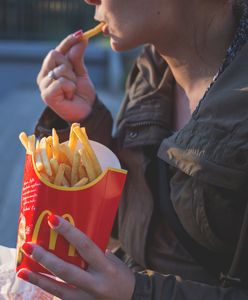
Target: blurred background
(28,30)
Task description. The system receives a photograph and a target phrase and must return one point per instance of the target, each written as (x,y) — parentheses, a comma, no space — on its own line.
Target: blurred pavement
(20,106)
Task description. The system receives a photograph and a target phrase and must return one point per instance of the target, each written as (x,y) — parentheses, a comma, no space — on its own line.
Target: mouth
(105,30)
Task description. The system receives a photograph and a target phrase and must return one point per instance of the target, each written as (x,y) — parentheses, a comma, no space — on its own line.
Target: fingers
(113,257)
(85,247)
(74,48)
(52,60)
(71,274)
(68,42)
(52,286)
(59,89)
(70,52)
(76,57)
(64,71)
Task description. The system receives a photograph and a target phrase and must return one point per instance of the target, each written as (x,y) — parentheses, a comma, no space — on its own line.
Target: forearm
(151,286)
(98,124)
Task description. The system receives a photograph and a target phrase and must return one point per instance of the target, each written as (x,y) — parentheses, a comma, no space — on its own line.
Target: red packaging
(91,208)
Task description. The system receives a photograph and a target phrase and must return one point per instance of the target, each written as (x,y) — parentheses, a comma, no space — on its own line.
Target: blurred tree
(43,19)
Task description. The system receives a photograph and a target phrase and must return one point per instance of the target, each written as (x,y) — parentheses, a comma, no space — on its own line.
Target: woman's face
(130,23)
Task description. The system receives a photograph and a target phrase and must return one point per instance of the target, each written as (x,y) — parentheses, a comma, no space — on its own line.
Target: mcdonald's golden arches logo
(53,233)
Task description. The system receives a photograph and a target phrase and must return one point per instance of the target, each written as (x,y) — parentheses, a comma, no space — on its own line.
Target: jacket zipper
(134,125)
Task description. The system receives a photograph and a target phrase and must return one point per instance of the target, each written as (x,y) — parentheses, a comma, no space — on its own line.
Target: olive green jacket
(208,161)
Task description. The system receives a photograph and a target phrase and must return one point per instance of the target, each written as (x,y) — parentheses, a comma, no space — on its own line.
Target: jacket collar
(148,97)
(214,140)
(146,114)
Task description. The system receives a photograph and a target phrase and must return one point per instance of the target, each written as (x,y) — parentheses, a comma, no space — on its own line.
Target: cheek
(125,24)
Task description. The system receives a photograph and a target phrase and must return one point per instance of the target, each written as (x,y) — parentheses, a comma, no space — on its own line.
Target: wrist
(82,112)
(93,105)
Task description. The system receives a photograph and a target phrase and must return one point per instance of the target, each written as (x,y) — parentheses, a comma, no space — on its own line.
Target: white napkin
(13,288)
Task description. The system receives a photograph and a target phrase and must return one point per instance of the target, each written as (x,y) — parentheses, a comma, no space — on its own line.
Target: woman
(181,133)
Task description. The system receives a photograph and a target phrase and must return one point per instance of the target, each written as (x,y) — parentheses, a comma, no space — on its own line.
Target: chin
(121,45)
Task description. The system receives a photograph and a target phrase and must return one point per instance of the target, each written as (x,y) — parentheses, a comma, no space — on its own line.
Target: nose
(93,2)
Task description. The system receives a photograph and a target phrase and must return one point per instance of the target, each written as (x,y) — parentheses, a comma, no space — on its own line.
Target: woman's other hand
(64,82)
(106,277)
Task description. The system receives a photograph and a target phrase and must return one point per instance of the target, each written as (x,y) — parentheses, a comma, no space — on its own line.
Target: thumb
(76,57)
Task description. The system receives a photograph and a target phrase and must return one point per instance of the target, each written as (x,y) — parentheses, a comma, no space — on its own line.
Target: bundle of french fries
(64,164)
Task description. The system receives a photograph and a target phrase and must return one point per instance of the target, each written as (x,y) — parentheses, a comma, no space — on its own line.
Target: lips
(105,30)
(93,2)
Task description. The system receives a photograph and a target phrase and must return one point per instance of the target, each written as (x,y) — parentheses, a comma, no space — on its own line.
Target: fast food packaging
(91,208)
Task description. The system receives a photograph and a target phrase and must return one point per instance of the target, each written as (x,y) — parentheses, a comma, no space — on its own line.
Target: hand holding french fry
(64,164)
(64,82)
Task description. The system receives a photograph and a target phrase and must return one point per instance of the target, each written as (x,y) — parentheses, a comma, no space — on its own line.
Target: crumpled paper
(13,288)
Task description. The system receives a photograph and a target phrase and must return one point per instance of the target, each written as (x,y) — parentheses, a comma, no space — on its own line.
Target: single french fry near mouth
(94,31)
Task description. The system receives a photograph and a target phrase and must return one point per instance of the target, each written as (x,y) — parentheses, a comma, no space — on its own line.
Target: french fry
(60,156)
(81,182)
(31,144)
(44,157)
(82,136)
(74,168)
(55,144)
(66,150)
(24,140)
(49,148)
(38,162)
(73,138)
(92,154)
(60,174)
(88,164)
(67,172)
(54,165)
(39,165)
(94,31)
(81,171)
(65,183)
(45,176)
(63,159)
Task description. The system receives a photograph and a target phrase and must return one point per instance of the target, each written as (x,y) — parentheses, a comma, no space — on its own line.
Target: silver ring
(51,74)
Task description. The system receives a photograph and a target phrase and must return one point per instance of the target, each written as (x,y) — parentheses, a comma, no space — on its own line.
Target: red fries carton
(91,208)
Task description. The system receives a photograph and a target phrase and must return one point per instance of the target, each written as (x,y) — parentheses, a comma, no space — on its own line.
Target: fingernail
(23,274)
(28,248)
(53,220)
(78,33)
